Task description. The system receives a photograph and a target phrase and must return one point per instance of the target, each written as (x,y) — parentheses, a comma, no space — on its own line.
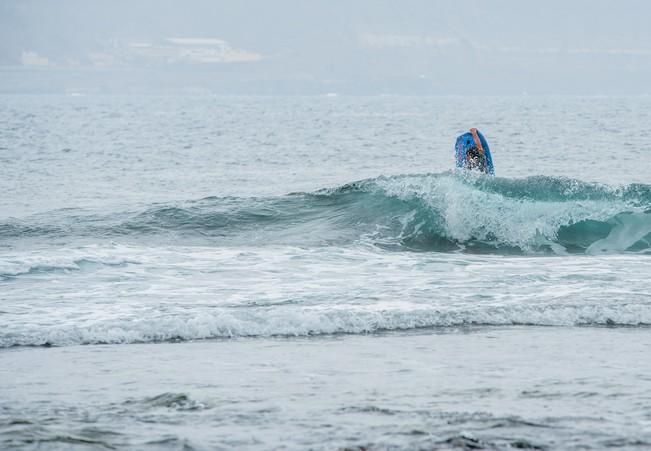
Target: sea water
(197,272)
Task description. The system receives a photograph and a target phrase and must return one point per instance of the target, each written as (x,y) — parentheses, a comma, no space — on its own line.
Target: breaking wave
(321,321)
(432,212)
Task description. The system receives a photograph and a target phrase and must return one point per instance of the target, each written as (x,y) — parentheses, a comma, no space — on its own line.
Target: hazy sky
(492,46)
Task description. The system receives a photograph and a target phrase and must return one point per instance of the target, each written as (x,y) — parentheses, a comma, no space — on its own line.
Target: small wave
(74,260)
(175,401)
(432,212)
(469,442)
(318,321)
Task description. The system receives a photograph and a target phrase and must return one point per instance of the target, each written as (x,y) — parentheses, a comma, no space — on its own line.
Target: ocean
(310,272)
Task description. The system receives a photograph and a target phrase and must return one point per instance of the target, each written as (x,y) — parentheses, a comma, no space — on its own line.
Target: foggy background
(325,46)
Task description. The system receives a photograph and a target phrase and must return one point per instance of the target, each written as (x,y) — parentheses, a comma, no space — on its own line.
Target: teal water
(435,212)
(268,227)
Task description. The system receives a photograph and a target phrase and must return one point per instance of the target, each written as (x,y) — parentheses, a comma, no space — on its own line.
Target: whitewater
(187,272)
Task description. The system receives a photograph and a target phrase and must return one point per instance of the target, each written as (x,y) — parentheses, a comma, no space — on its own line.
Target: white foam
(470,213)
(64,259)
(318,321)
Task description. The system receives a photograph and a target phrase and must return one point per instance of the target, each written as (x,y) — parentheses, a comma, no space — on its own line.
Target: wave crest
(318,321)
(440,212)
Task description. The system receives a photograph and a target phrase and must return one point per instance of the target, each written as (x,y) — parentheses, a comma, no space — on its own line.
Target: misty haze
(294,47)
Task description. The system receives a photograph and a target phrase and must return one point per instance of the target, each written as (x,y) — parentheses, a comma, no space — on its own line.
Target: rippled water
(309,272)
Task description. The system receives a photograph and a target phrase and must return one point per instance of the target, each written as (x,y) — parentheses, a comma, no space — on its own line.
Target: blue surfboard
(466,142)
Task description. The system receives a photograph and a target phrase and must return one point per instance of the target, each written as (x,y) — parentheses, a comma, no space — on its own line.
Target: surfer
(472,152)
